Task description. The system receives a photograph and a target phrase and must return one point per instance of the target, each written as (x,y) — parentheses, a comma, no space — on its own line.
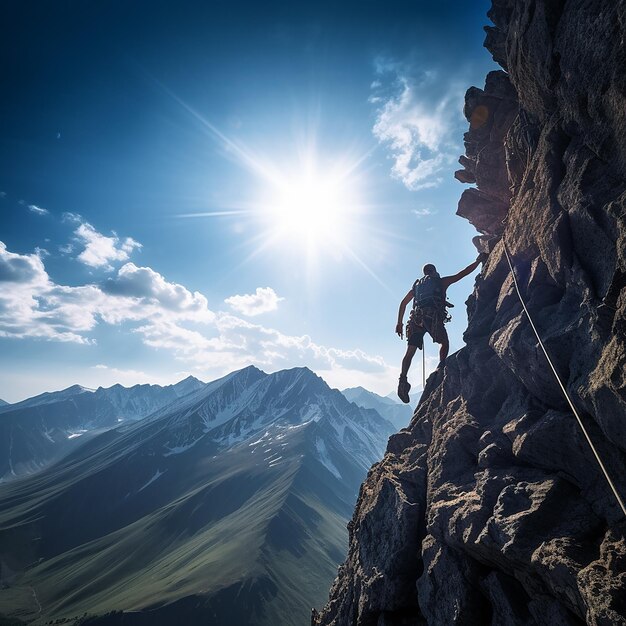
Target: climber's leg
(406,361)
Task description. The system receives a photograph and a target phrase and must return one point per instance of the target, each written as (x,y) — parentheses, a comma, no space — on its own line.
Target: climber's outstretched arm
(405,301)
(450,280)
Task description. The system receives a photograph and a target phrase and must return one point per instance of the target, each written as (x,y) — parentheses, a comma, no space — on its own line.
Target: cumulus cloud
(24,308)
(21,269)
(416,114)
(146,284)
(33,208)
(236,342)
(239,342)
(265,299)
(32,305)
(165,316)
(100,250)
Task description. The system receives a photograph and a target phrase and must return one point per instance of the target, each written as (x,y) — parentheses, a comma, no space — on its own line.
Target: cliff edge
(490,507)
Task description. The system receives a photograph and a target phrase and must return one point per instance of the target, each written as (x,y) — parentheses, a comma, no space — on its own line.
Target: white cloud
(100,250)
(416,115)
(265,299)
(236,343)
(31,305)
(24,308)
(165,316)
(72,217)
(423,212)
(144,283)
(21,268)
(37,209)
(239,343)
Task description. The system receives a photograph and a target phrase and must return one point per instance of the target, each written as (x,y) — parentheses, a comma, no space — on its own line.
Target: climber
(427,316)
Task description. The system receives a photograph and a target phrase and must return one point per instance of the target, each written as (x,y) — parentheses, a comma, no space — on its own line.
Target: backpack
(428,292)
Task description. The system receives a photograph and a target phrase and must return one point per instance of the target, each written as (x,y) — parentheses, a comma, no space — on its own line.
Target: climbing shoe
(403,389)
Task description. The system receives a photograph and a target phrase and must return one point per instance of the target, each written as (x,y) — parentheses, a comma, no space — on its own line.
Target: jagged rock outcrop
(490,508)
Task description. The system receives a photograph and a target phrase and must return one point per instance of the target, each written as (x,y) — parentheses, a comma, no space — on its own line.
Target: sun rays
(305,204)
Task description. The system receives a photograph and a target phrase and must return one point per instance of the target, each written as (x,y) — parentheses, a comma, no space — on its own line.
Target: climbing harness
(563,390)
(428,302)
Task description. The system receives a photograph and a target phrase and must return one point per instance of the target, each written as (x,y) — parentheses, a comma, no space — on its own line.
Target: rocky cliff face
(490,507)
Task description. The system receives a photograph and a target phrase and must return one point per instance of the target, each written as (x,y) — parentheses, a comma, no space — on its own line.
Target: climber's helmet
(428,269)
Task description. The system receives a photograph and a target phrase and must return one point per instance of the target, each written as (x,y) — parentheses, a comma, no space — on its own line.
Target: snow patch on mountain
(254,443)
(324,458)
(182,448)
(156,476)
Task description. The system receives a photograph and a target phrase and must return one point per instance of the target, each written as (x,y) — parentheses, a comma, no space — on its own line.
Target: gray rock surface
(490,507)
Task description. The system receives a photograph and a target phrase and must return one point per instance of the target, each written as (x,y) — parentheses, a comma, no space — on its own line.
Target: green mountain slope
(168,521)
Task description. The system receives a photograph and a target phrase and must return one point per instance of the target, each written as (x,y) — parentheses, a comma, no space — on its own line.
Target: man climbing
(427,316)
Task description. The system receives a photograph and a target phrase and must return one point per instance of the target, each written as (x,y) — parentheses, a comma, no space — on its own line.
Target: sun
(314,208)
(309,205)
(309,210)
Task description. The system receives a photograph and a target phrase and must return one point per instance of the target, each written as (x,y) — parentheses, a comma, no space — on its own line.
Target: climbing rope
(563,390)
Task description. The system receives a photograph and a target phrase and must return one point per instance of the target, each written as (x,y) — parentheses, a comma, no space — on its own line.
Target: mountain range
(227,505)
(40,430)
(389,407)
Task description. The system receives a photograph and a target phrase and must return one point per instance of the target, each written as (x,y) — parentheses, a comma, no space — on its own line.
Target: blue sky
(188,188)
